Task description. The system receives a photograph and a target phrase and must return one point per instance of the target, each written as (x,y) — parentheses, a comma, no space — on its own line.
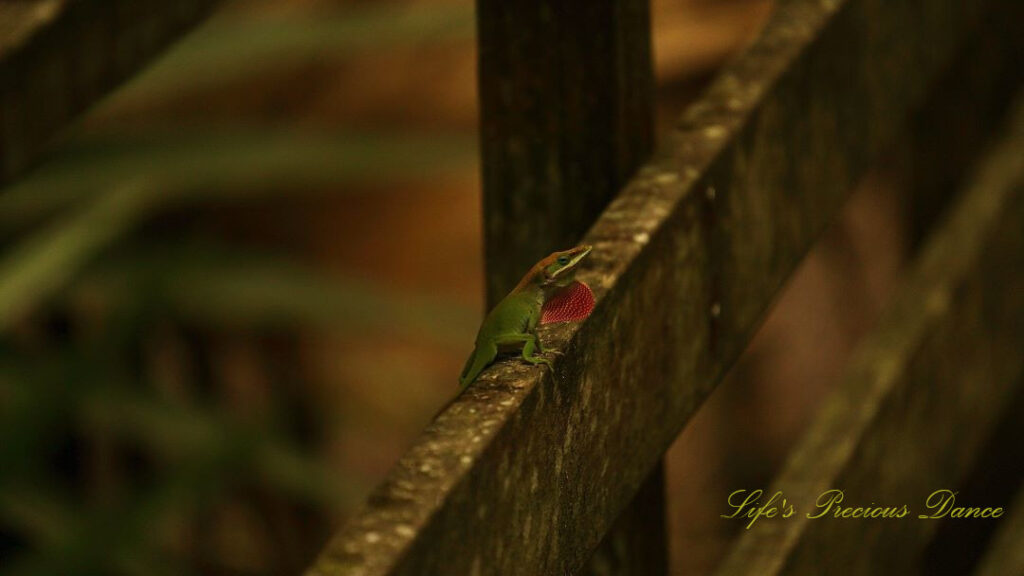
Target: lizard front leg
(545,350)
(531,331)
(529,356)
(530,344)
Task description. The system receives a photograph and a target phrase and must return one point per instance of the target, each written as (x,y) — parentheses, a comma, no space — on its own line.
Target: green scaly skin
(512,324)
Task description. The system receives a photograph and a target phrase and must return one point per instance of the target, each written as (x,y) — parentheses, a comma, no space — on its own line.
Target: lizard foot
(539,360)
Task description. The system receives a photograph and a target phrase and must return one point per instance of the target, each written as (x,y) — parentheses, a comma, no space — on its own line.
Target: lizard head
(556,270)
(559,269)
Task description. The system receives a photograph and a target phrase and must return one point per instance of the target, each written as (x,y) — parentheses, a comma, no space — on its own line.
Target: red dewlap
(571,304)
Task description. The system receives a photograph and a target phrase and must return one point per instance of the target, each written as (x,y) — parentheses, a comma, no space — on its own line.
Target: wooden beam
(964,109)
(567,116)
(637,542)
(919,399)
(528,470)
(1005,555)
(57,57)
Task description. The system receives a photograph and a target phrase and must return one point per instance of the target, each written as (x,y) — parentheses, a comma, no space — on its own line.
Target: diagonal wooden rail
(59,56)
(527,471)
(918,402)
(1006,555)
(566,118)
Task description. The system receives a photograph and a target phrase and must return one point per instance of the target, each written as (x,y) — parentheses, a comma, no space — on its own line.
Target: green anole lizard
(548,293)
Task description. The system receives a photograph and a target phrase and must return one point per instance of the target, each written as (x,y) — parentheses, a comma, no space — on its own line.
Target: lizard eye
(563,260)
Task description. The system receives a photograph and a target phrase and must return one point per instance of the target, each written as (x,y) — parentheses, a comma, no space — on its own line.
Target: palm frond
(230,48)
(211,285)
(230,165)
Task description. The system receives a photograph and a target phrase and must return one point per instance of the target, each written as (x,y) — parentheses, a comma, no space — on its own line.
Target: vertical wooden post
(567,115)
(637,544)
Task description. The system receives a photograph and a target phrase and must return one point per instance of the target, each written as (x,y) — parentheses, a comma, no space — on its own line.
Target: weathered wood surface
(919,399)
(567,117)
(1005,555)
(637,542)
(59,56)
(528,470)
(963,110)
(957,547)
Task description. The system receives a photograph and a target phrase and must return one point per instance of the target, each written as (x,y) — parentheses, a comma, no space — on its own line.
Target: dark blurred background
(235,291)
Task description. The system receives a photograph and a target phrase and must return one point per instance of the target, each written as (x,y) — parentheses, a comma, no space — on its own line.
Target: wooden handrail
(525,473)
(918,401)
(57,57)
(1005,555)
(566,118)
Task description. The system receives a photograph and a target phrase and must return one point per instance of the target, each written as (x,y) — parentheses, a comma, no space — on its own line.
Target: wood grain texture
(567,116)
(637,542)
(920,397)
(57,57)
(527,471)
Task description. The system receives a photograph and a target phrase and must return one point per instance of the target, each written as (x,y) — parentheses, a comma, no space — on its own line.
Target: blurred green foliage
(117,443)
(233,46)
(224,165)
